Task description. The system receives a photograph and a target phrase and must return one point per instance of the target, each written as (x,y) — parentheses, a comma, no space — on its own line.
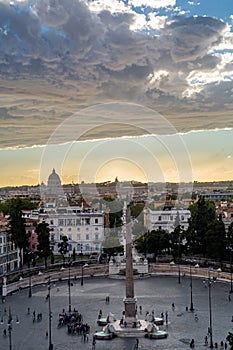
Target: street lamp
(30,281)
(179,261)
(82,279)
(9,324)
(191,289)
(69,264)
(50,316)
(210,311)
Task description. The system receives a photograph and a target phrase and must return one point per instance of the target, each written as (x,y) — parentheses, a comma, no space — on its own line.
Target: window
(96,228)
(87,237)
(160,218)
(78,236)
(61,229)
(96,237)
(96,221)
(51,222)
(69,222)
(87,228)
(87,221)
(69,229)
(78,229)
(78,222)
(60,222)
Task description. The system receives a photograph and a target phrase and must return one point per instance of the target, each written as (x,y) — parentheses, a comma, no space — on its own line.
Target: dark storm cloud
(58,57)
(190,38)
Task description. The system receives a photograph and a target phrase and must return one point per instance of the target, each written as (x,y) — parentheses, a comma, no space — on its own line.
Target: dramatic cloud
(58,57)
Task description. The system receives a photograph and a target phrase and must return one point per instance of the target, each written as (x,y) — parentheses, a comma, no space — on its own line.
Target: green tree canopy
(155,242)
(14,208)
(203,218)
(43,233)
(63,247)
(112,246)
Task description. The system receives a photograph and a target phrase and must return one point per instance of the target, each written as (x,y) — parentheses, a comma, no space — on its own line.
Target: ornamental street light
(9,325)
(29,281)
(191,289)
(50,316)
(69,264)
(210,332)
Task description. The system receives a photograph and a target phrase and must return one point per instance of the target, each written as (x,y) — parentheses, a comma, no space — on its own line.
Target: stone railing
(168,269)
(115,268)
(63,274)
(103,270)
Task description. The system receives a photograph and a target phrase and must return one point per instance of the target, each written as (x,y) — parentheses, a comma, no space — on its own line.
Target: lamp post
(179,273)
(69,263)
(179,261)
(30,281)
(50,316)
(191,289)
(210,311)
(9,326)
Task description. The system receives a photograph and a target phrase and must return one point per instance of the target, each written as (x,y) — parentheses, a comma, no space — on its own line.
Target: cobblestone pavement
(153,293)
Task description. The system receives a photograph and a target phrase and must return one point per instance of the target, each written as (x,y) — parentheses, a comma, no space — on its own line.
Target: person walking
(93,342)
(137,343)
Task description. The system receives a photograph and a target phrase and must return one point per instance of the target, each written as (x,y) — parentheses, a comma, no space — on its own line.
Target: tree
(74,254)
(137,211)
(203,218)
(63,247)
(115,212)
(216,240)
(43,233)
(176,237)
(112,246)
(229,240)
(138,229)
(14,208)
(154,242)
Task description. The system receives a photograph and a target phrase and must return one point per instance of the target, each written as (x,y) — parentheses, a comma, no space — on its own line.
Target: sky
(138,89)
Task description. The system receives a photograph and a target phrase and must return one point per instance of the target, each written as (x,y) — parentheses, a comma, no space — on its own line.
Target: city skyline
(136,89)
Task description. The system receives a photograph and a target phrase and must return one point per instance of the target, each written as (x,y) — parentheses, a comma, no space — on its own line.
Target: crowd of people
(74,322)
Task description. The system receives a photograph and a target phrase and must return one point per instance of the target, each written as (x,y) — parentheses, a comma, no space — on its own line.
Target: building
(31,218)
(84,228)
(166,219)
(9,255)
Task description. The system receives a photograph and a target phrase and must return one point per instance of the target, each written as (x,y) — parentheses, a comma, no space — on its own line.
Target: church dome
(54,179)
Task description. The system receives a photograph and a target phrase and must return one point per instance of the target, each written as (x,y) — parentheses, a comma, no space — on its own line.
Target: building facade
(84,228)
(166,219)
(9,254)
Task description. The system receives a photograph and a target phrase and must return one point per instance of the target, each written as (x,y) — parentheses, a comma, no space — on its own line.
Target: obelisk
(130,300)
